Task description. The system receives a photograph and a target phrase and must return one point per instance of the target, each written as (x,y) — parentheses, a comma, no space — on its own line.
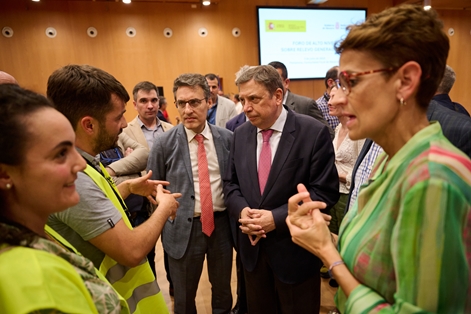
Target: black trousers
(267,294)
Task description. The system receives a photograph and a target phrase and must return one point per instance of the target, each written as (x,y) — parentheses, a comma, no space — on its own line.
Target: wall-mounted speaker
(92,32)
(236,32)
(203,32)
(131,31)
(51,32)
(168,32)
(7,32)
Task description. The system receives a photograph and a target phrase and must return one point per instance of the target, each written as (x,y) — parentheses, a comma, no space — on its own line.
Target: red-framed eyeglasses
(346,79)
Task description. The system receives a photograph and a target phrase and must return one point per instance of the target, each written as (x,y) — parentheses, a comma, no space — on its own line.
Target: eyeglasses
(337,84)
(192,102)
(347,80)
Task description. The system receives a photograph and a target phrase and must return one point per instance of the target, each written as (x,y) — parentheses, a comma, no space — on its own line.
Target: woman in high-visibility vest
(38,168)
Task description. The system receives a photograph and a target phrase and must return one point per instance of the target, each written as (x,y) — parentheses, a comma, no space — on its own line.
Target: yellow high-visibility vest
(137,284)
(34,280)
(52,233)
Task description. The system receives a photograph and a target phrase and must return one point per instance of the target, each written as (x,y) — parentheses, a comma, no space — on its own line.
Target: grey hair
(447,81)
(265,75)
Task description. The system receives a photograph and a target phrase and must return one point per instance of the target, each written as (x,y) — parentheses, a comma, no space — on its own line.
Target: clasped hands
(307,225)
(256,223)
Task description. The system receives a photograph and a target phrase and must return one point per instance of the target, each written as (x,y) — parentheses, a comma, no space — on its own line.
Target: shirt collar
(190,134)
(92,159)
(285,96)
(280,122)
(141,124)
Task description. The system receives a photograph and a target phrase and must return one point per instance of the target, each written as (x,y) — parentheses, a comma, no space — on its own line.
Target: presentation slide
(303,38)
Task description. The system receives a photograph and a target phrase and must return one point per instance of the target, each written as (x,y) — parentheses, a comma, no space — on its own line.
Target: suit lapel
(219,112)
(250,151)
(183,146)
(138,134)
(284,148)
(219,148)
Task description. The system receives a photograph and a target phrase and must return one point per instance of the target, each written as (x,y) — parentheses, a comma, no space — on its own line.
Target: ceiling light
(35,0)
(127,1)
(427,4)
(206,2)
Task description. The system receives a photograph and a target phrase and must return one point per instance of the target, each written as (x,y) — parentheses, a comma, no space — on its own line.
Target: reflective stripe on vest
(52,233)
(137,284)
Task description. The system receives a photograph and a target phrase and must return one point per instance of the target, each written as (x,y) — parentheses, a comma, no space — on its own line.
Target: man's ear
(5,178)
(287,83)
(408,81)
(134,103)
(279,96)
(88,124)
(330,83)
(210,102)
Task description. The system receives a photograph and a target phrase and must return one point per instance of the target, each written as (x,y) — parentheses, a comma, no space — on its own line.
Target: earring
(403,103)
(8,186)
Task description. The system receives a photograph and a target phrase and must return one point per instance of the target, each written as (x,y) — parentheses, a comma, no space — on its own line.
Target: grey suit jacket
(170,160)
(135,132)
(225,111)
(305,105)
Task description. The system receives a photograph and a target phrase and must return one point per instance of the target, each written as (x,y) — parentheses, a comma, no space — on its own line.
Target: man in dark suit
(241,304)
(270,155)
(237,121)
(297,103)
(191,156)
(442,97)
(456,126)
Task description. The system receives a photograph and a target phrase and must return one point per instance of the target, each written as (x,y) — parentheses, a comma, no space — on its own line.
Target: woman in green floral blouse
(404,246)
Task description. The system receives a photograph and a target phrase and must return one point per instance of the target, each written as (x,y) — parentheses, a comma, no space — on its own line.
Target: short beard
(104,140)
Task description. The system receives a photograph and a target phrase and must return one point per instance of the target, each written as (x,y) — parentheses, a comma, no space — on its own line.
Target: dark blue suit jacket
(445,100)
(305,155)
(237,121)
(456,126)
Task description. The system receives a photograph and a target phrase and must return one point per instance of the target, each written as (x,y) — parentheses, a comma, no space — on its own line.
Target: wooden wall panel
(459,56)
(31,56)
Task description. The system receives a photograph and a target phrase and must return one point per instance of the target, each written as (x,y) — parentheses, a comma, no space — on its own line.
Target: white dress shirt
(277,128)
(213,165)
